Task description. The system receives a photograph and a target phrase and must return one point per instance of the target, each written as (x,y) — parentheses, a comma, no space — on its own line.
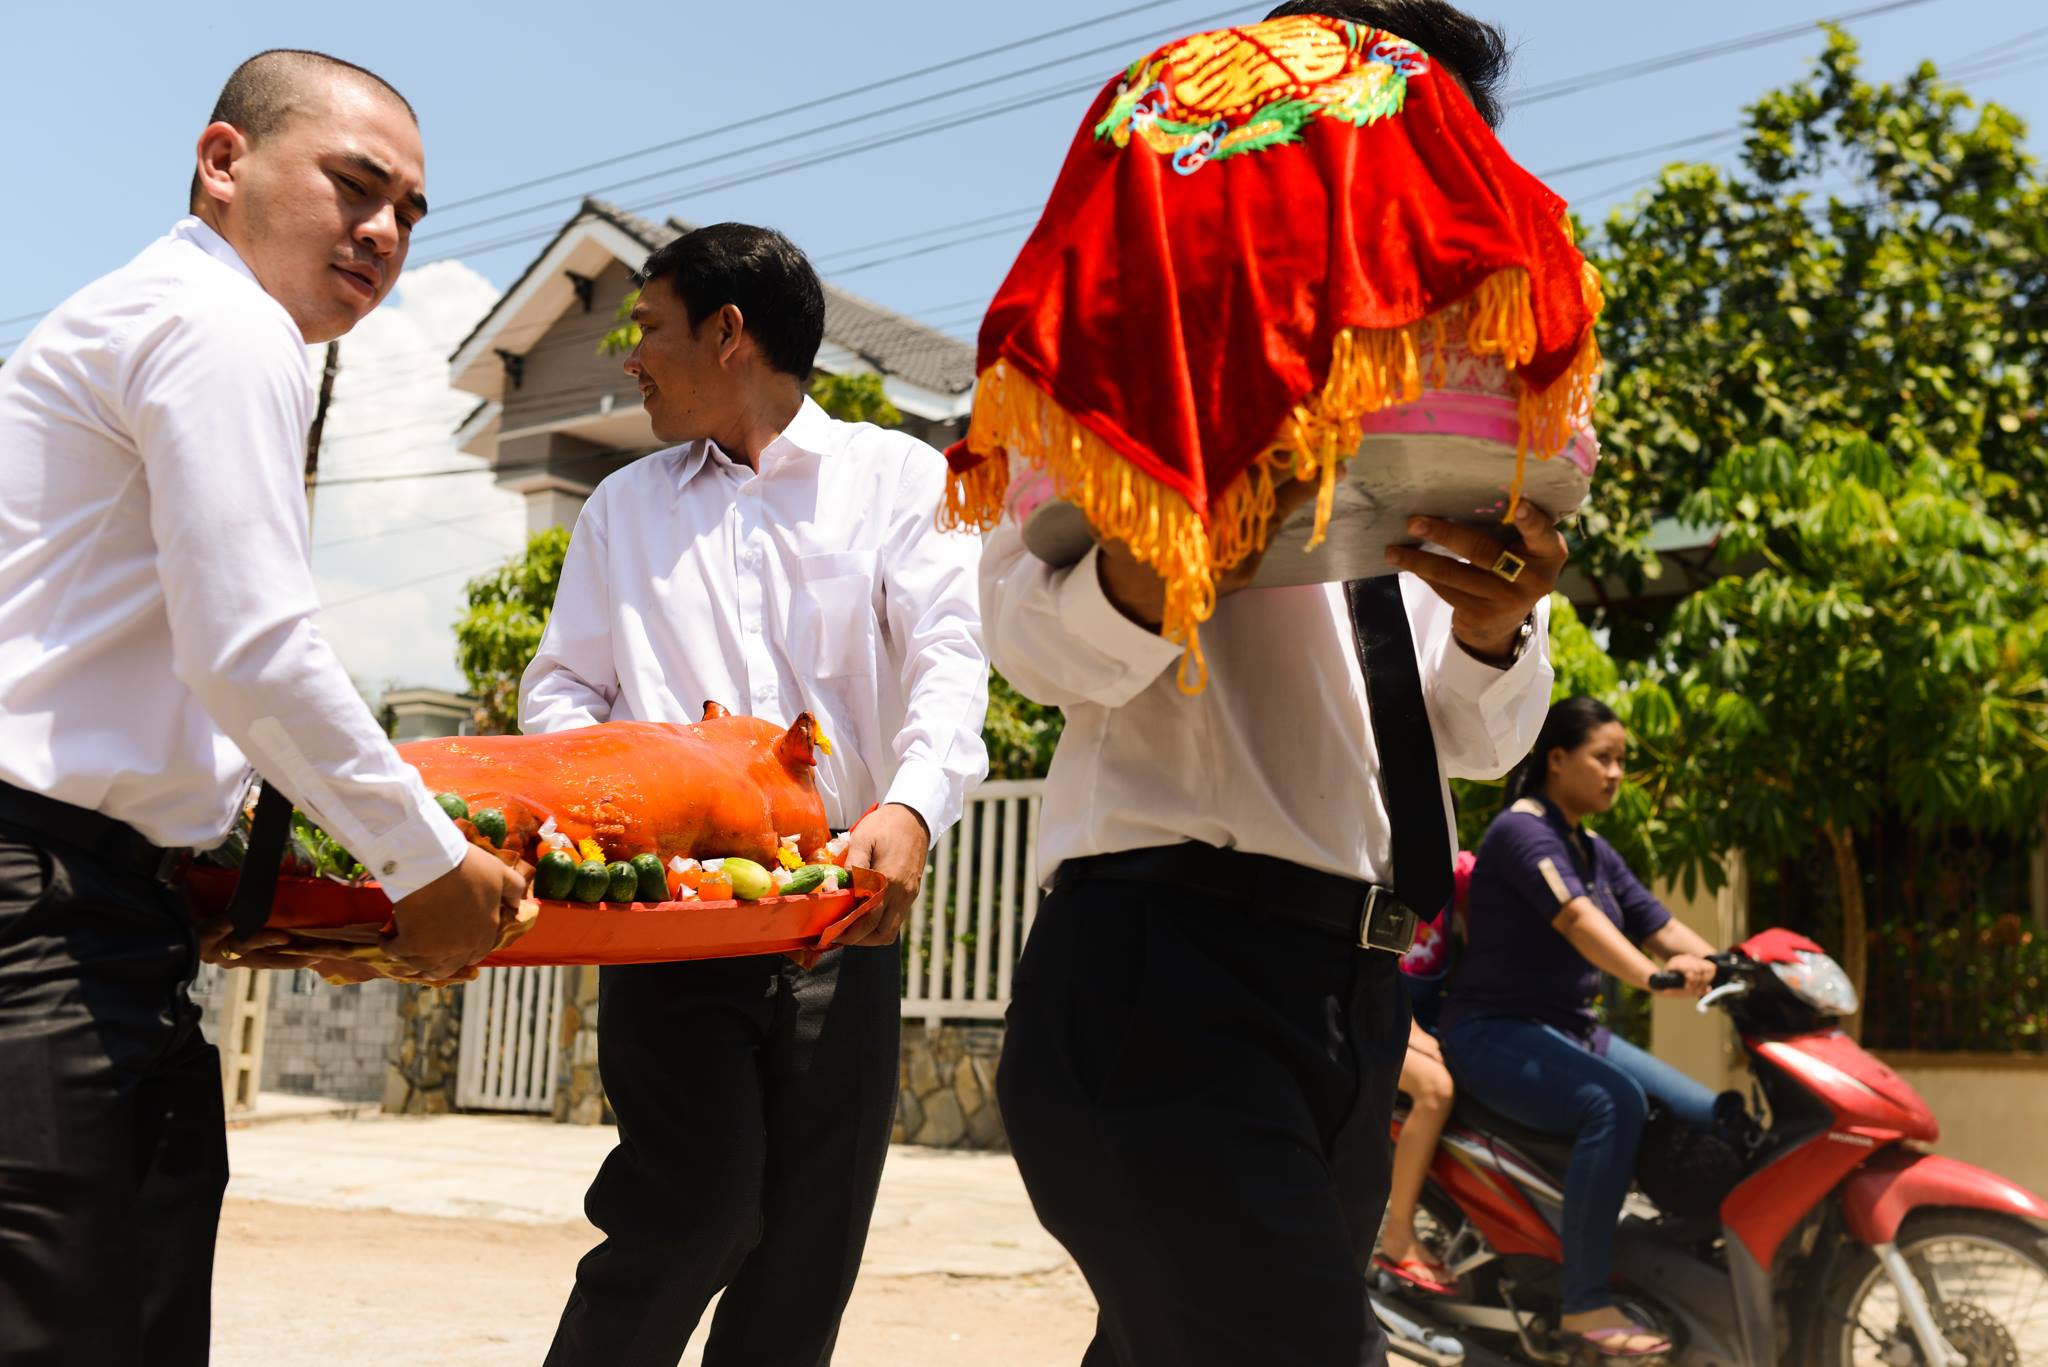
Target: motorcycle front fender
(1877,1197)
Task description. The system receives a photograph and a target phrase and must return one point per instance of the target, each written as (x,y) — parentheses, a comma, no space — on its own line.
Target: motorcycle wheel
(1986,1279)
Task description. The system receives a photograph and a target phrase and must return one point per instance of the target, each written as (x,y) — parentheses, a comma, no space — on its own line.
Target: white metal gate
(511,1040)
(979,898)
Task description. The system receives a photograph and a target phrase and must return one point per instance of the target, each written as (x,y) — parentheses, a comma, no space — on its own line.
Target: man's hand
(891,840)
(1486,610)
(1138,591)
(218,944)
(454,921)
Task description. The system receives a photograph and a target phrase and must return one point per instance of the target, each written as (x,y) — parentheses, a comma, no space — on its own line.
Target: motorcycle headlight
(1820,982)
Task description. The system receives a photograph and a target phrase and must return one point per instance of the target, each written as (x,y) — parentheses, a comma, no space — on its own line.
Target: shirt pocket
(834,615)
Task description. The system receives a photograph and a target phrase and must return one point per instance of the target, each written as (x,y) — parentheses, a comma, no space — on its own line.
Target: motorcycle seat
(1550,1152)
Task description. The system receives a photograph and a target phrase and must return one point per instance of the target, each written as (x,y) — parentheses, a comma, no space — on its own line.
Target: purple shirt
(1531,864)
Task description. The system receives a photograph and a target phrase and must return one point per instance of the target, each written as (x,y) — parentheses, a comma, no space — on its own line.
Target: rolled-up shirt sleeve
(218,400)
(931,601)
(1054,633)
(573,679)
(1485,719)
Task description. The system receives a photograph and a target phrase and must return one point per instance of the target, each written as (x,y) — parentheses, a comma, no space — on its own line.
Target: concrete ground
(452,1241)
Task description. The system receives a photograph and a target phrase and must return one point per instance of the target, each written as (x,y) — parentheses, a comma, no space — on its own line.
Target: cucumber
(489,823)
(555,878)
(457,809)
(593,880)
(749,880)
(806,879)
(625,882)
(653,877)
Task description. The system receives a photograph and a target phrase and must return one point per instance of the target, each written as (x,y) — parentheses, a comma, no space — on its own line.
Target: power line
(2006,46)
(458,523)
(806,134)
(816,103)
(414,583)
(1573,85)
(1539,94)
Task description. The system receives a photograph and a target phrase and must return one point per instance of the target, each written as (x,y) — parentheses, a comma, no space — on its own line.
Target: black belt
(114,846)
(1364,914)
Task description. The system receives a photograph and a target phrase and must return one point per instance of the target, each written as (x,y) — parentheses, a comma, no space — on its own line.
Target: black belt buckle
(1384,924)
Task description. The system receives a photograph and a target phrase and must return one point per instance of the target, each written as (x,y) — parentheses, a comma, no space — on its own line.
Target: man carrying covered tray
(156,627)
(777,561)
(1236,268)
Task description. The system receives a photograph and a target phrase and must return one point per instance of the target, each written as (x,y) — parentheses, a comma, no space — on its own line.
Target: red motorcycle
(1826,1236)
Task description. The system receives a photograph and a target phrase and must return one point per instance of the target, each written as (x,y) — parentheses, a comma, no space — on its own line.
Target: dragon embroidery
(1222,94)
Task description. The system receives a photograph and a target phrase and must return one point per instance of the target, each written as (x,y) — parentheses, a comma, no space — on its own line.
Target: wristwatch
(1514,652)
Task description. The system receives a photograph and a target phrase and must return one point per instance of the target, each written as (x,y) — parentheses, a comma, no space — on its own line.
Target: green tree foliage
(1021,734)
(1873,263)
(1831,354)
(855,398)
(498,633)
(1890,655)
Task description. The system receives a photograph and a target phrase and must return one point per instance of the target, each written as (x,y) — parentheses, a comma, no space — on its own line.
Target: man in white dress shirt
(1207,1024)
(156,638)
(777,562)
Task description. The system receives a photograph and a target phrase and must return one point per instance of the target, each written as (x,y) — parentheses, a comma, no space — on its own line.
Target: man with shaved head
(156,644)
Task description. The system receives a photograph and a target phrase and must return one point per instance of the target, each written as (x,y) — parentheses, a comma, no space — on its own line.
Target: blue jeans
(1541,1077)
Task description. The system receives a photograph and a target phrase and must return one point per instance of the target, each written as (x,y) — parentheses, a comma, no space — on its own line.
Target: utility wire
(817,103)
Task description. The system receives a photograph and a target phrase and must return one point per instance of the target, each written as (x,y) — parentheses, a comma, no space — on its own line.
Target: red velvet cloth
(1180,317)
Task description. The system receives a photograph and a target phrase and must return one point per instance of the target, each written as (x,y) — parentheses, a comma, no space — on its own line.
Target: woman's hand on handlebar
(1693,974)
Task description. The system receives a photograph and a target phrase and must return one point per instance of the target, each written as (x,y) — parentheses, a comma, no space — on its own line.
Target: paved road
(450,1242)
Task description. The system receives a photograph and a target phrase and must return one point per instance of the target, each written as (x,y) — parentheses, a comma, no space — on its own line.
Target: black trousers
(113,1152)
(1198,1098)
(754,1102)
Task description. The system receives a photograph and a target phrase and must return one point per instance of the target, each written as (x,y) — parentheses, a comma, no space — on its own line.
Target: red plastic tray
(582,932)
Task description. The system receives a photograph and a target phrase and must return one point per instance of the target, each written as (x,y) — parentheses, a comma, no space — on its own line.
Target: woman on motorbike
(1552,907)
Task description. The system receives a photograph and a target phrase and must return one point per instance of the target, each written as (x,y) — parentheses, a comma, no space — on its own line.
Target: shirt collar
(191,228)
(1550,813)
(811,432)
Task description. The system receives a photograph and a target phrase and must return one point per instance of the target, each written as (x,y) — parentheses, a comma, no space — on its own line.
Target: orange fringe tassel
(1369,370)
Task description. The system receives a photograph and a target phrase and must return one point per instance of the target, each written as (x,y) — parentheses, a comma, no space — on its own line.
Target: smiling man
(156,640)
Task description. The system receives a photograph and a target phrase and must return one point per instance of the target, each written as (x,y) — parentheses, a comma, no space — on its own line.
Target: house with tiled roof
(555,415)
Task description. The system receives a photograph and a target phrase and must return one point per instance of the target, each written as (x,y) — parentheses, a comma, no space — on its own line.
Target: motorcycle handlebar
(1727,967)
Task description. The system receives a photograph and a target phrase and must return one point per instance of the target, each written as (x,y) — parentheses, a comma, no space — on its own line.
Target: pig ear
(796,747)
(715,710)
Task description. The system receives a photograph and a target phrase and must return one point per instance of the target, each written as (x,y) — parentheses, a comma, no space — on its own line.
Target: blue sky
(103,103)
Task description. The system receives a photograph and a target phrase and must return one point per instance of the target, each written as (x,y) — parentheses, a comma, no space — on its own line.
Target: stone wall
(421,1078)
(579,1096)
(948,1087)
(321,1040)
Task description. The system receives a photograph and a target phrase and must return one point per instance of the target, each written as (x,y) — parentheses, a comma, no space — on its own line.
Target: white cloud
(392,555)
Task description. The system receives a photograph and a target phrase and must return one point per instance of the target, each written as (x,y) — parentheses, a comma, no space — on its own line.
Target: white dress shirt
(820,584)
(156,597)
(1276,756)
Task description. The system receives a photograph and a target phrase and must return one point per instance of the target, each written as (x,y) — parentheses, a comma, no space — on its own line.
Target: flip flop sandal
(1600,1338)
(1417,1274)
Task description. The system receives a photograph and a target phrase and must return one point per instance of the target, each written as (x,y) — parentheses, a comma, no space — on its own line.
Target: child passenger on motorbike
(1552,907)
(1427,1084)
